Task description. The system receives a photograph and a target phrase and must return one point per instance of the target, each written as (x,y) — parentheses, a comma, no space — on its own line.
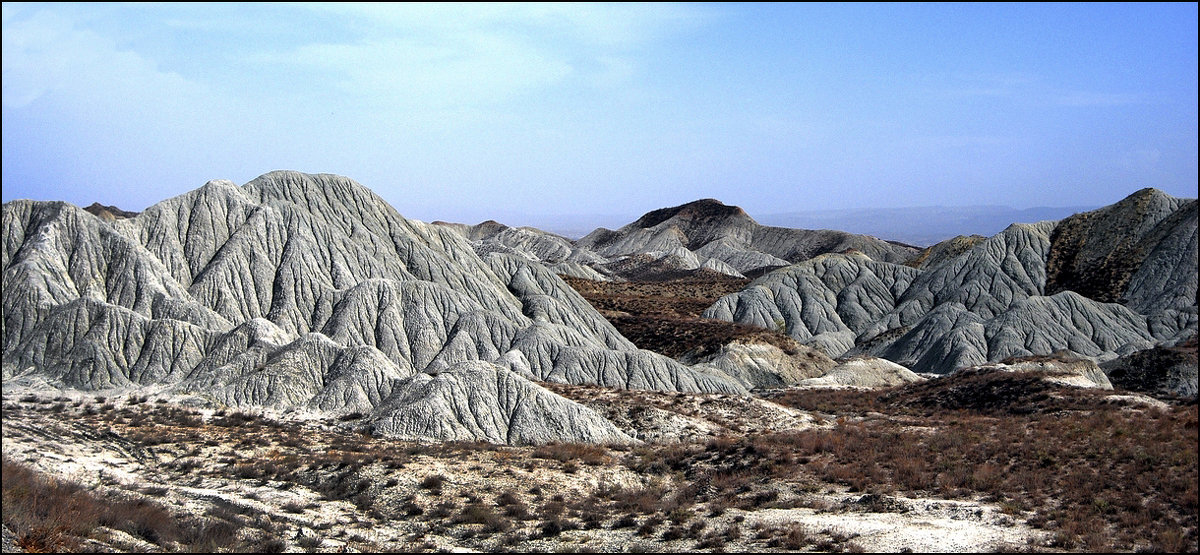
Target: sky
(513,112)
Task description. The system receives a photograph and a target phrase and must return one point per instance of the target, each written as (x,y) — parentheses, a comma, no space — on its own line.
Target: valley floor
(87,472)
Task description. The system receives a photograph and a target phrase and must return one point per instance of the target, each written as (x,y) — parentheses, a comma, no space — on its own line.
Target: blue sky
(467,112)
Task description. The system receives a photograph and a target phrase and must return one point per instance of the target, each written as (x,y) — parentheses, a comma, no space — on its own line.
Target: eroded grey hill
(556,252)
(704,236)
(309,292)
(1101,285)
(707,233)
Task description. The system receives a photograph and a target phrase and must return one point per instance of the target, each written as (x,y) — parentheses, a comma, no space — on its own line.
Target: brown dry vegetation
(664,316)
(56,516)
(481,496)
(1099,472)
(49,515)
(1093,474)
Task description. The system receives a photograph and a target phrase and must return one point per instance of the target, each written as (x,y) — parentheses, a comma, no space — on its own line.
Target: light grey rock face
(556,356)
(721,267)
(554,251)
(985,279)
(1094,253)
(1074,373)
(764,366)
(703,236)
(802,244)
(1164,287)
(1140,252)
(480,401)
(726,234)
(311,372)
(94,345)
(295,291)
(54,253)
(577,270)
(868,373)
(976,301)
(547,299)
(826,302)
(737,257)
(1033,326)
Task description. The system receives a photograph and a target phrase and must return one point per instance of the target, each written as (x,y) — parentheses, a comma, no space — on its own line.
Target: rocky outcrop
(698,239)
(1141,252)
(945,250)
(1032,289)
(952,337)
(1026,385)
(302,291)
(1096,253)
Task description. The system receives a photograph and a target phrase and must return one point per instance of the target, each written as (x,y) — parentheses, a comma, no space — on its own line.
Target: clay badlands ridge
(292,365)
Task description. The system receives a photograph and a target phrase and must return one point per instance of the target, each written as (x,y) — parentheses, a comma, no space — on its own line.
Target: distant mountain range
(920,226)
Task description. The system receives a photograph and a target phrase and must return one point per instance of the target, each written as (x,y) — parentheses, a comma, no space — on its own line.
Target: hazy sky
(467,112)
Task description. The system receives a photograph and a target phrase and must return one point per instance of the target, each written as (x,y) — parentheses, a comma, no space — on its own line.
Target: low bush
(477,513)
(50,515)
(433,482)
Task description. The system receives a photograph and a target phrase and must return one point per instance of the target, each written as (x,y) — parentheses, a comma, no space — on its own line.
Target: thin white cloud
(608,25)
(47,55)
(101,118)
(479,69)
(436,56)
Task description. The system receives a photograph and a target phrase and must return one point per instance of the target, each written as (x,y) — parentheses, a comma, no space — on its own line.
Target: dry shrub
(637,500)
(308,541)
(433,482)
(477,513)
(513,506)
(625,521)
(507,498)
(293,507)
(50,515)
(661,459)
(1129,472)
(592,455)
(914,473)
(210,535)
